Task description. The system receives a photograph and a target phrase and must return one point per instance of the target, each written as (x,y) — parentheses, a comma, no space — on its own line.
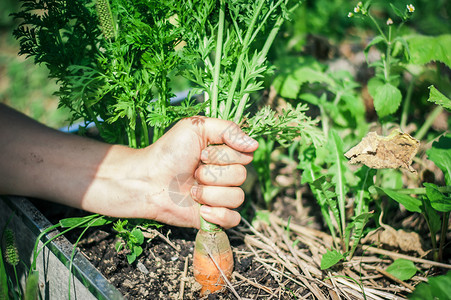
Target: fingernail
(205,209)
(204,155)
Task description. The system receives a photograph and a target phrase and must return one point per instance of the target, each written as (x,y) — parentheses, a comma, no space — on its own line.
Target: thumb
(219,131)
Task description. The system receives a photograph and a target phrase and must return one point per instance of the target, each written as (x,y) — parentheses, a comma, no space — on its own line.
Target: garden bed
(269,262)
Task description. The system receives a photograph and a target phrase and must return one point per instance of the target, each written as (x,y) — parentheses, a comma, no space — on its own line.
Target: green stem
(378,28)
(131,137)
(50,229)
(240,109)
(207,226)
(163,103)
(217,66)
(422,191)
(145,130)
(239,66)
(324,121)
(264,52)
(445,220)
(204,225)
(405,109)
(360,206)
(75,248)
(433,233)
(36,244)
(428,123)
(17,283)
(94,118)
(387,57)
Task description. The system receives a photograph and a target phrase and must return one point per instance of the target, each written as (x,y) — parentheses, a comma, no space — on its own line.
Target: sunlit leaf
(440,154)
(330,258)
(438,200)
(438,287)
(410,203)
(438,98)
(402,268)
(424,49)
(137,233)
(387,100)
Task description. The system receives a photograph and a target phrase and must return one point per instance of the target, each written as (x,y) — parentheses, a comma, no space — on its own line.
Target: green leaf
(410,203)
(262,215)
(440,154)
(438,200)
(84,221)
(438,287)
(387,99)
(378,39)
(138,250)
(131,257)
(289,86)
(358,224)
(295,72)
(432,217)
(32,286)
(403,269)
(118,246)
(397,11)
(338,161)
(3,278)
(330,258)
(424,49)
(438,98)
(137,233)
(373,86)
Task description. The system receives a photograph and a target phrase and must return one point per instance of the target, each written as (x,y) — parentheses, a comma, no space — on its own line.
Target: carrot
(212,245)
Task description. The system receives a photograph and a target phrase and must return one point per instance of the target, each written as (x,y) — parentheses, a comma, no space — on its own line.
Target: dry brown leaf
(378,152)
(399,239)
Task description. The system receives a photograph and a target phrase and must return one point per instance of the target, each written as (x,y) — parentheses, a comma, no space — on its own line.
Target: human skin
(198,161)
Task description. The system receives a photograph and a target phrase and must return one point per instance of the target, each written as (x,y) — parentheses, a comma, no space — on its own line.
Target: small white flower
(357,9)
(350,15)
(410,8)
(389,21)
(360,4)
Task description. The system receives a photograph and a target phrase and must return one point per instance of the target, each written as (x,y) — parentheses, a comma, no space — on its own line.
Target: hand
(199,161)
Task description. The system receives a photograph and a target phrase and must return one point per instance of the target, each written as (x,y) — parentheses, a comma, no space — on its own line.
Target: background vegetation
(359,67)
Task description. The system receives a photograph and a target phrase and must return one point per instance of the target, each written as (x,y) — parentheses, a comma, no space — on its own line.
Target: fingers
(229,197)
(218,131)
(224,217)
(224,155)
(217,204)
(230,175)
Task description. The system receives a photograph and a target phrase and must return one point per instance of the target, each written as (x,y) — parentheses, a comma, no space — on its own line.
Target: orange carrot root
(205,270)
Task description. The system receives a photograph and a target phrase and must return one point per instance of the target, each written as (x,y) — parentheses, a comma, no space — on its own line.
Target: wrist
(120,188)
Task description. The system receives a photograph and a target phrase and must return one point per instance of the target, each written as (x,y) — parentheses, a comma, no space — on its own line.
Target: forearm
(41,162)
(156,182)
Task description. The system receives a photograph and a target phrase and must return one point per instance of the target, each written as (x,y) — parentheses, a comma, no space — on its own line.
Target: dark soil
(159,272)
